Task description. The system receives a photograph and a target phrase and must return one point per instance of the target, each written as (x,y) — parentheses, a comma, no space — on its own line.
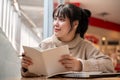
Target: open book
(46,62)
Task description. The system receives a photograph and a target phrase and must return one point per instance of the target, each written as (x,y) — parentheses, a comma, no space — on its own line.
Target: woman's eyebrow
(61,16)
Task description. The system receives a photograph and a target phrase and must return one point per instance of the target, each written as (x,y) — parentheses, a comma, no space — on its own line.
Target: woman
(70,24)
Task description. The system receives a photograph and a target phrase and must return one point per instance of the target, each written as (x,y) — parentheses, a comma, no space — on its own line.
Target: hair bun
(87,12)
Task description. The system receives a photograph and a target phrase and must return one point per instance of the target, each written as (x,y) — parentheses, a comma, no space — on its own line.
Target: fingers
(70,63)
(69,57)
(26,61)
(66,61)
(24,65)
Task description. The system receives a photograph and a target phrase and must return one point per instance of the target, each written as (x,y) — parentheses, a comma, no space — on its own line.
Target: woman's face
(61,26)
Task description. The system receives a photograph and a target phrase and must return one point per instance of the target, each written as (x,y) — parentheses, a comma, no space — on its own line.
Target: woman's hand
(26,61)
(70,63)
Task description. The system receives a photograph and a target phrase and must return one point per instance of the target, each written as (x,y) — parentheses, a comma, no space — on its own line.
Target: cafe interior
(28,22)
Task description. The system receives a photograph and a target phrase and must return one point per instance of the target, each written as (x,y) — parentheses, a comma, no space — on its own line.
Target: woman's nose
(56,22)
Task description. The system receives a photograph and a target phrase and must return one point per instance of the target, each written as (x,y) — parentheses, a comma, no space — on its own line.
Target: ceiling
(107,10)
(104,9)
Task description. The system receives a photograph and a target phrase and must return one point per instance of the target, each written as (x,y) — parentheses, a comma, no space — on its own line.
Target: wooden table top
(44,78)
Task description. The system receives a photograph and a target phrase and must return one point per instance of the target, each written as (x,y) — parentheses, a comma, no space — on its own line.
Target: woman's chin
(57,35)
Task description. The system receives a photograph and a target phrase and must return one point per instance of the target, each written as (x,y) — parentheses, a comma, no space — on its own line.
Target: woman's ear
(75,24)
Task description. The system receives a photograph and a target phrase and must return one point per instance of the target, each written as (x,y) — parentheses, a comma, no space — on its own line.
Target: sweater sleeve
(96,60)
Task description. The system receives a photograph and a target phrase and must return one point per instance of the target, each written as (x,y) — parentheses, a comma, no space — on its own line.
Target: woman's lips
(56,30)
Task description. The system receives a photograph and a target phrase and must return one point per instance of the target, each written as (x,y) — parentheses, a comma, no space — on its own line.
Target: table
(44,78)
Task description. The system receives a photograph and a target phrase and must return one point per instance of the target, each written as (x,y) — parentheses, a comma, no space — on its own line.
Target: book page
(52,57)
(38,63)
(80,74)
(73,74)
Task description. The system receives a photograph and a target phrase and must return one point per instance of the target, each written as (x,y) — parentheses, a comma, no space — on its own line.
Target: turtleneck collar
(73,43)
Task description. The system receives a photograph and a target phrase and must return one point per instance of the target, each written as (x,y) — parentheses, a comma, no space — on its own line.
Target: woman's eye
(61,19)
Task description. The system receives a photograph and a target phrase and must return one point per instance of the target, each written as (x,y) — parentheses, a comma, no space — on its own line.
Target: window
(1,8)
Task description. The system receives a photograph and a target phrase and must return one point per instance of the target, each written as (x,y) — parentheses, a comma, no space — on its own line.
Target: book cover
(46,62)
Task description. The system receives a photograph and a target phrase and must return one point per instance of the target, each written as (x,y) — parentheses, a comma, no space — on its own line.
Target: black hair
(74,13)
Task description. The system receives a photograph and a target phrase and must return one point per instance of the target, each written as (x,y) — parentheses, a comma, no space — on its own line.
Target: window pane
(4,14)
(7,18)
(1,8)
(11,24)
